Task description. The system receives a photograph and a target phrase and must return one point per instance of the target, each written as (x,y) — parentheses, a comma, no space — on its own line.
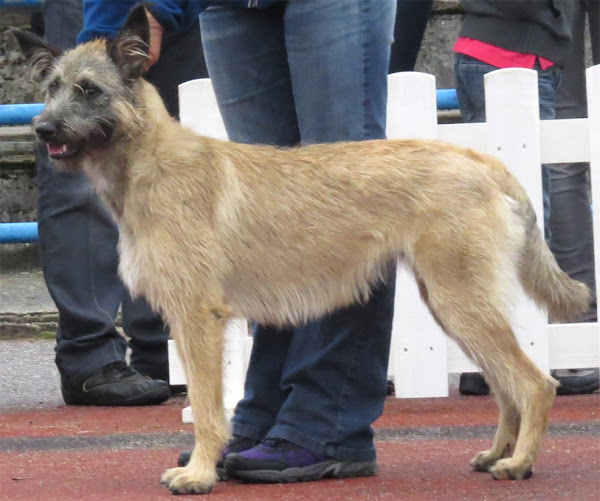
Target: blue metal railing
(21,114)
(20,3)
(18,233)
(447,99)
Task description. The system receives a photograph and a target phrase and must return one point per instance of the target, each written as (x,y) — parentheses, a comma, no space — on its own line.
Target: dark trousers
(572,240)
(78,238)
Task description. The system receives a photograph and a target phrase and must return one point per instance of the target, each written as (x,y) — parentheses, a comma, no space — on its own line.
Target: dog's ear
(130,48)
(42,56)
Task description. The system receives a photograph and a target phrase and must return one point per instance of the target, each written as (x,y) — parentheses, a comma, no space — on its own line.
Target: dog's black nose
(46,130)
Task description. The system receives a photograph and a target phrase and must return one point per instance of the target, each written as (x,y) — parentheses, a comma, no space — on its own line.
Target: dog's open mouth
(61,150)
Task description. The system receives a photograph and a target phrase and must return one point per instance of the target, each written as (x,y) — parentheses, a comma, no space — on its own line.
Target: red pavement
(50,453)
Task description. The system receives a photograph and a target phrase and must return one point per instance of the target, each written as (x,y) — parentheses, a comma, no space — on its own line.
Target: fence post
(593,98)
(513,124)
(419,359)
(198,108)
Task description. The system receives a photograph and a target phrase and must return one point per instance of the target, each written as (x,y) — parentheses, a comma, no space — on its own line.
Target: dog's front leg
(200,345)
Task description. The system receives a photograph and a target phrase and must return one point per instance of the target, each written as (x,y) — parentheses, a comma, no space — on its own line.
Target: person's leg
(471,101)
(409,28)
(593,15)
(247,62)
(330,398)
(572,240)
(347,44)
(79,257)
(250,74)
(571,221)
(76,231)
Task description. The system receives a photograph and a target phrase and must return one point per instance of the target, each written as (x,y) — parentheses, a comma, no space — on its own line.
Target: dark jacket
(103,18)
(540,27)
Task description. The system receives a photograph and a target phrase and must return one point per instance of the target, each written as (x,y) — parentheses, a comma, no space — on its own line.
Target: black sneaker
(236,444)
(116,384)
(390,387)
(472,383)
(577,381)
(279,461)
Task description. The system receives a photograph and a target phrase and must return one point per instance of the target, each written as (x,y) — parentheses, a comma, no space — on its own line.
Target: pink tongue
(56,149)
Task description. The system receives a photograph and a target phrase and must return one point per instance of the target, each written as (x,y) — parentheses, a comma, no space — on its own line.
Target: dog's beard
(66,153)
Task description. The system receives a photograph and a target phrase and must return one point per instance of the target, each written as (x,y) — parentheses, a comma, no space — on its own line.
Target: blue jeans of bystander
(309,72)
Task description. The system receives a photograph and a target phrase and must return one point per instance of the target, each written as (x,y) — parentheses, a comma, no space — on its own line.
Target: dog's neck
(109,174)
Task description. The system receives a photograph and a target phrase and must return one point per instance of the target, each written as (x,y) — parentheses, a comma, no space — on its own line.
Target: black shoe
(177,389)
(577,381)
(116,384)
(236,444)
(279,461)
(390,387)
(472,383)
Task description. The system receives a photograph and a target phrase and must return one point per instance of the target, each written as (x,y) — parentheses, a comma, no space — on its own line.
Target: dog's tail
(539,273)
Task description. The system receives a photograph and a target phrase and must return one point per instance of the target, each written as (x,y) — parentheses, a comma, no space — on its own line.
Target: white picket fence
(422,356)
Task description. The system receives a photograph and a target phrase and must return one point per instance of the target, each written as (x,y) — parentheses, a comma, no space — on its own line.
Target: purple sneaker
(278,461)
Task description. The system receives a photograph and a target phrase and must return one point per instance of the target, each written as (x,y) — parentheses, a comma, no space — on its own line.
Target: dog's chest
(129,263)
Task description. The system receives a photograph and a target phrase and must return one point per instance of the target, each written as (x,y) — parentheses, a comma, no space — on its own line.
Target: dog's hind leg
(508,425)
(198,334)
(532,393)
(471,312)
(506,434)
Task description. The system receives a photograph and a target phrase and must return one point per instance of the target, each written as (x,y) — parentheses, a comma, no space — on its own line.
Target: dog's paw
(511,469)
(187,481)
(483,461)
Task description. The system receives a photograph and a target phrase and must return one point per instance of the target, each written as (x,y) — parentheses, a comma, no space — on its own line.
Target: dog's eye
(53,86)
(91,91)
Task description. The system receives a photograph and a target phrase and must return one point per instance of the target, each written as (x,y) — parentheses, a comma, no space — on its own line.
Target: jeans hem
(326,449)
(249,431)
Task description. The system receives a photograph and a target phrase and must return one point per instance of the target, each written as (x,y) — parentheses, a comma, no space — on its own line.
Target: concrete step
(26,309)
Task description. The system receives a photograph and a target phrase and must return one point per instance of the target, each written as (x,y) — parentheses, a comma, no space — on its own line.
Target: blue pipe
(447,99)
(22,114)
(19,114)
(18,233)
(20,3)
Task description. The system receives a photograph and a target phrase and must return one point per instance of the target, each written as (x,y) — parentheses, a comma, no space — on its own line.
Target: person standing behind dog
(571,229)
(300,73)
(506,34)
(288,73)
(78,246)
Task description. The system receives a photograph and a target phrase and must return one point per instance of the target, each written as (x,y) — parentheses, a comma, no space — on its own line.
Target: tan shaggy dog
(211,229)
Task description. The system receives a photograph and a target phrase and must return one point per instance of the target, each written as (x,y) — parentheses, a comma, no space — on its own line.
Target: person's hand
(156,34)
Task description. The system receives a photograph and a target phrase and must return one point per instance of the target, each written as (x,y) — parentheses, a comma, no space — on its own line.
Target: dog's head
(90,91)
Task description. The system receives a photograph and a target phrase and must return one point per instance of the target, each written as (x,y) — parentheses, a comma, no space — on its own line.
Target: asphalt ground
(51,451)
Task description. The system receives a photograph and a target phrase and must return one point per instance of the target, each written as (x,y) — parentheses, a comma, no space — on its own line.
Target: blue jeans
(310,72)
(469,74)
